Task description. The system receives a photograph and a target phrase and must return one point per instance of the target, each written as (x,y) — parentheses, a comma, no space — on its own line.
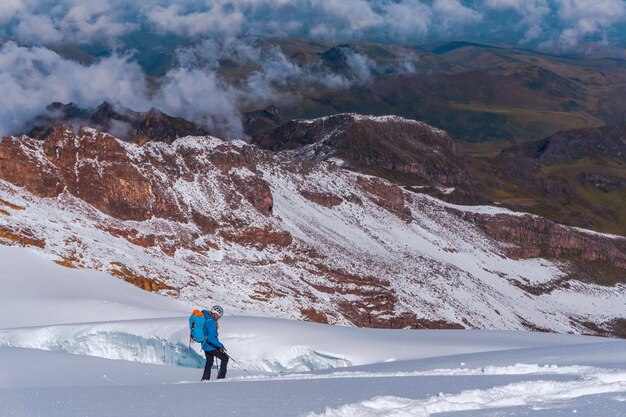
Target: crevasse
(122,346)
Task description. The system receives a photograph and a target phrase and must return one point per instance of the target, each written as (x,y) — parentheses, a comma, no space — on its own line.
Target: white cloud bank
(561,23)
(32,75)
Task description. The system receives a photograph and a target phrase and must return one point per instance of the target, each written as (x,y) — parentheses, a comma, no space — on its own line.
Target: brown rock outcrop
(131,184)
(97,168)
(257,191)
(21,237)
(391,147)
(327,200)
(22,164)
(387,196)
(141,281)
(137,127)
(257,237)
(594,257)
(373,303)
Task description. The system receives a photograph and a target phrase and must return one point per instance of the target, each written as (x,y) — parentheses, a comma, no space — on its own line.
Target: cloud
(68,21)
(32,77)
(453,14)
(563,24)
(411,18)
(216,20)
(588,20)
(201,96)
(93,20)
(212,32)
(530,22)
(37,29)
(9,9)
(194,89)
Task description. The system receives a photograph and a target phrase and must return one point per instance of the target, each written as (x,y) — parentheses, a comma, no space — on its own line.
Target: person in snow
(211,345)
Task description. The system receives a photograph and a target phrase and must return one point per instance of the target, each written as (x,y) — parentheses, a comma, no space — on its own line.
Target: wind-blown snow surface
(60,329)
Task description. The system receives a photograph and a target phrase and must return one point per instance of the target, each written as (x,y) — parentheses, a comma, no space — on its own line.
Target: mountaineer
(211,345)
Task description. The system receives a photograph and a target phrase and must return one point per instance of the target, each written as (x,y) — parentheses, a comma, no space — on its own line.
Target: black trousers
(210,357)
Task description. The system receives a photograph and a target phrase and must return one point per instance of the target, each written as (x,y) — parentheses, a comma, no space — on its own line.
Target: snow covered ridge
(380,119)
(206,221)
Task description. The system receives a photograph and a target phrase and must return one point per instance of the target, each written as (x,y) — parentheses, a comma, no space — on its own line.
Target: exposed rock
(388,196)
(399,149)
(121,122)
(140,281)
(22,164)
(602,182)
(115,186)
(263,121)
(67,262)
(134,237)
(257,237)
(226,158)
(372,302)
(327,200)
(256,191)
(595,258)
(311,314)
(202,217)
(22,237)
(571,145)
(10,205)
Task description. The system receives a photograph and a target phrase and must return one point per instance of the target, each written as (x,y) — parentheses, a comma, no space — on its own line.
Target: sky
(33,75)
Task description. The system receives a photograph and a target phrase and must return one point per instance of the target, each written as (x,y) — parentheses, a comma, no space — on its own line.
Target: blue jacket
(211,342)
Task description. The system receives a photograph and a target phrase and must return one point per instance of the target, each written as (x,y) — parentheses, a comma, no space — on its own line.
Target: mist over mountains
(210,62)
(536,23)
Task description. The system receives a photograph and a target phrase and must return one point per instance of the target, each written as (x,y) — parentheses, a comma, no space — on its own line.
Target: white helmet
(217,310)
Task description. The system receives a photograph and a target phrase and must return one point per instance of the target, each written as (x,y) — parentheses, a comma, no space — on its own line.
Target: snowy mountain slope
(47,306)
(202,221)
(37,292)
(399,372)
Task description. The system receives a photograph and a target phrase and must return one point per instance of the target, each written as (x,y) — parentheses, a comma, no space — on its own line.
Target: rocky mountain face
(271,233)
(571,145)
(407,151)
(575,177)
(262,121)
(126,124)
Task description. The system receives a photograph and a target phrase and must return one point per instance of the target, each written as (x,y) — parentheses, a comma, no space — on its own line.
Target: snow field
(534,393)
(60,329)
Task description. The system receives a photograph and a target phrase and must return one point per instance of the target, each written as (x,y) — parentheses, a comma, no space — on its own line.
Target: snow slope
(63,367)
(360,262)
(35,291)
